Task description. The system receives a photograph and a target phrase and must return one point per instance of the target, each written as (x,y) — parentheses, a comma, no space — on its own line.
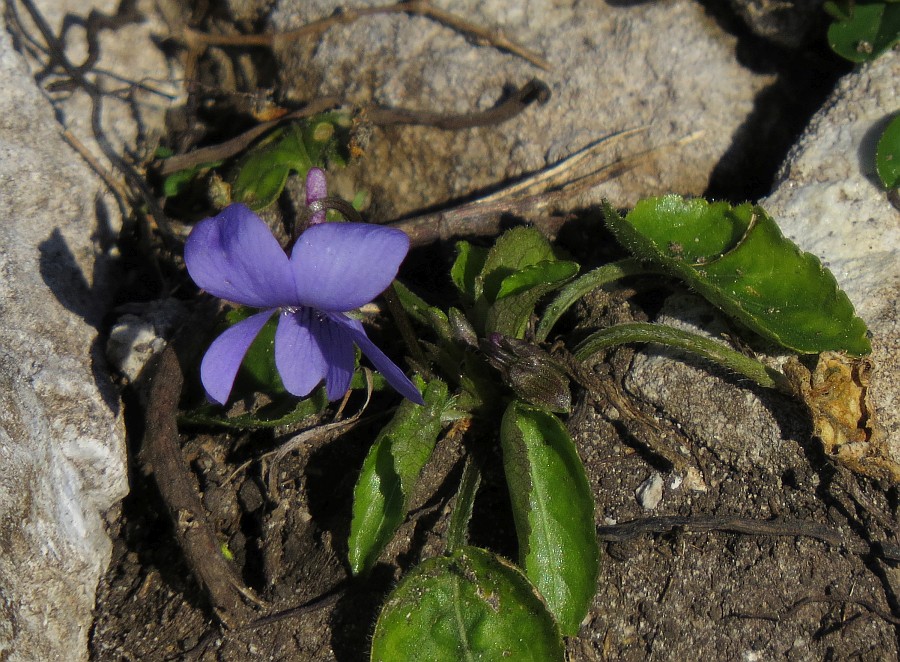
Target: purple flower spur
(333,268)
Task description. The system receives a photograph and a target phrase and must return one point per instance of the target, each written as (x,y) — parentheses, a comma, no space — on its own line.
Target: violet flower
(333,268)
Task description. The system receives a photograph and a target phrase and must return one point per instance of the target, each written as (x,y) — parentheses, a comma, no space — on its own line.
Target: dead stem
(533,91)
(197,41)
(104,174)
(699,524)
(239,143)
(826,599)
(306,440)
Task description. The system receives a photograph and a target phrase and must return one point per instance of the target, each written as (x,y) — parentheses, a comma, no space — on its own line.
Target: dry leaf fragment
(837,395)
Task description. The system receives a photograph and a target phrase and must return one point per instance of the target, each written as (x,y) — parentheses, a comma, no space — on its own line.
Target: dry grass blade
(535,193)
(307,439)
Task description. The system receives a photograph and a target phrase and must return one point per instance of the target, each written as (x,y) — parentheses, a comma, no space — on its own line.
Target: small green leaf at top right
(863,30)
(887,155)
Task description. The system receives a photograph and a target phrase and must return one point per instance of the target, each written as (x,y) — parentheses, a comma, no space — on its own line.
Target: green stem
(457,531)
(401,319)
(621,334)
(586,284)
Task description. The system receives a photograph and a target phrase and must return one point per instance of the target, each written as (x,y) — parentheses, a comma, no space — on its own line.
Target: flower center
(293,310)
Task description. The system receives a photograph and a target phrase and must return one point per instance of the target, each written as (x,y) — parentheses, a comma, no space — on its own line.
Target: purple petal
(316,189)
(337,344)
(223,358)
(235,257)
(392,373)
(298,351)
(342,266)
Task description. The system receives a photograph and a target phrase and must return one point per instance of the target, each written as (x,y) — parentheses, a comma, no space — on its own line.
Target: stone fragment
(650,492)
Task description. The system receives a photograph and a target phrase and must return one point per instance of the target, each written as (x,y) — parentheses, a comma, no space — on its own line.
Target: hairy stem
(665,335)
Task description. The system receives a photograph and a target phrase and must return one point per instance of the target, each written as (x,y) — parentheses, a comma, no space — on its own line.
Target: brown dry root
(161,455)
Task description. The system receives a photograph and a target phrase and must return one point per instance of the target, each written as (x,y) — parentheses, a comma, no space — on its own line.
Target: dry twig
(758,527)
(306,440)
(827,599)
(197,41)
(533,91)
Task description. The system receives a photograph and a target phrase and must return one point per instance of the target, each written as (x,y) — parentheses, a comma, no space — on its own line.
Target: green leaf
(466,268)
(584,285)
(513,251)
(326,137)
(553,508)
(389,474)
(470,605)
(520,292)
(887,154)
(552,272)
(425,314)
(863,30)
(479,274)
(263,172)
(458,527)
(738,259)
(179,181)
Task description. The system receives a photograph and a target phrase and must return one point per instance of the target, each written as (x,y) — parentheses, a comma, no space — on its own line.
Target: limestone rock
(667,68)
(650,492)
(786,22)
(62,450)
(829,202)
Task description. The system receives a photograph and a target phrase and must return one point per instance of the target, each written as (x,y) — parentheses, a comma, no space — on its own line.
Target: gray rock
(830,204)
(787,22)
(140,334)
(666,67)
(62,450)
(724,415)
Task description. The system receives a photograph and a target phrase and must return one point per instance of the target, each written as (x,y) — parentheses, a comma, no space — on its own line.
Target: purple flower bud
(529,371)
(316,190)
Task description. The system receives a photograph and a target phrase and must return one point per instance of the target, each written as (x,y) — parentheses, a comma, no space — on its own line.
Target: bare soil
(680,593)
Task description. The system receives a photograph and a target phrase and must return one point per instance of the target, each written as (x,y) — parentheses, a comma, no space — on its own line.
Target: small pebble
(650,492)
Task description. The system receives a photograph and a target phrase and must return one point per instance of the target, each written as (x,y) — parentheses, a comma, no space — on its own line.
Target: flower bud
(529,371)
